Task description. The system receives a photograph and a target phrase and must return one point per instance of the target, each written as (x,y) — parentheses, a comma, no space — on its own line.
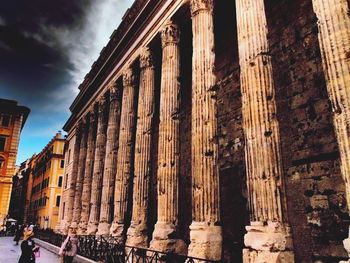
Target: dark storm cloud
(29,65)
(46,49)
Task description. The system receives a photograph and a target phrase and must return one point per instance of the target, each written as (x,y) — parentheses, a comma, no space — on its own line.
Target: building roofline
(8,106)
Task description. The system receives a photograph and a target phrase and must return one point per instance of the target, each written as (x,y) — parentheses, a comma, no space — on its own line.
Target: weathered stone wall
(315,189)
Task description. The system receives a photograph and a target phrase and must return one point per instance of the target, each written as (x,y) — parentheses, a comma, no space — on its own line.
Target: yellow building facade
(45,183)
(12,120)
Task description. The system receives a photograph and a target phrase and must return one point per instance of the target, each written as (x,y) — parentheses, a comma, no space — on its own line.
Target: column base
(137,236)
(82,229)
(103,229)
(74,225)
(58,227)
(117,231)
(64,227)
(253,256)
(346,243)
(206,241)
(268,243)
(165,239)
(92,228)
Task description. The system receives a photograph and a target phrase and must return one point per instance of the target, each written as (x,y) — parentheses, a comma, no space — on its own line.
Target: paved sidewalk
(9,253)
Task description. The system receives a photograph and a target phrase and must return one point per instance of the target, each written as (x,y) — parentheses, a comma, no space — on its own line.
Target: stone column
(110,165)
(205,230)
(334,37)
(89,165)
(100,152)
(137,232)
(268,237)
(80,175)
(125,154)
(165,237)
(68,213)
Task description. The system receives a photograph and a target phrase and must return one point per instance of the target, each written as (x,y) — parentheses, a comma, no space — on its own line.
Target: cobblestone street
(9,253)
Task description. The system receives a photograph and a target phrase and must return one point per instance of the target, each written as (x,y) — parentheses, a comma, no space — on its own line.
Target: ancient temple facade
(217,129)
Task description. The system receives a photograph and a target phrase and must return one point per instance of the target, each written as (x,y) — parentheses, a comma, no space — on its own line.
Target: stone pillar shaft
(334,37)
(89,165)
(206,236)
(137,233)
(110,162)
(265,178)
(124,157)
(96,186)
(169,132)
(80,176)
(165,235)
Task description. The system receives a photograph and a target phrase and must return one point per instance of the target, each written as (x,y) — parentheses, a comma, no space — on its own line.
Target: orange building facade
(44,186)
(12,120)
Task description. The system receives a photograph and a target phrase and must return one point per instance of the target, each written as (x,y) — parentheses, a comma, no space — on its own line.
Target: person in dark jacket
(28,248)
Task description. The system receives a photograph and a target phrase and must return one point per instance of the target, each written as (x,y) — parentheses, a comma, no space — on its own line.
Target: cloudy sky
(46,49)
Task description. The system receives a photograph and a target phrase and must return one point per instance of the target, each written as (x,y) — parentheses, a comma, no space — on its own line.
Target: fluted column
(334,37)
(100,152)
(205,230)
(110,165)
(68,213)
(137,232)
(165,236)
(89,165)
(268,237)
(80,175)
(124,157)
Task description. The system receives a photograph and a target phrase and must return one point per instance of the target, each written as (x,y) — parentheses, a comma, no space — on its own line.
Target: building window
(58,200)
(60,178)
(48,165)
(5,120)
(2,143)
(62,164)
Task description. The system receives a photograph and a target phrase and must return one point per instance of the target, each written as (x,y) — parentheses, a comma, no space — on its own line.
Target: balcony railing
(108,250)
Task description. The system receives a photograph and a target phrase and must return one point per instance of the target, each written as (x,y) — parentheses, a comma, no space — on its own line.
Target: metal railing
(109,250)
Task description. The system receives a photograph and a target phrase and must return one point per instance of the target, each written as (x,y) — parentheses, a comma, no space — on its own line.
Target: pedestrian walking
(28,248)
(69,247)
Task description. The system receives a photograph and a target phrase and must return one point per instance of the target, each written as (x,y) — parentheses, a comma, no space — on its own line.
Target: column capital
(101,104)
(82,124)
(146,58)
(92,115)
(170,34)
(79,128)
(114,92)
(201,5)
(128,77)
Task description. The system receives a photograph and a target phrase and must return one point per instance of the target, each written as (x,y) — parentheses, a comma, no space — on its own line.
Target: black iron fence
(108,250)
